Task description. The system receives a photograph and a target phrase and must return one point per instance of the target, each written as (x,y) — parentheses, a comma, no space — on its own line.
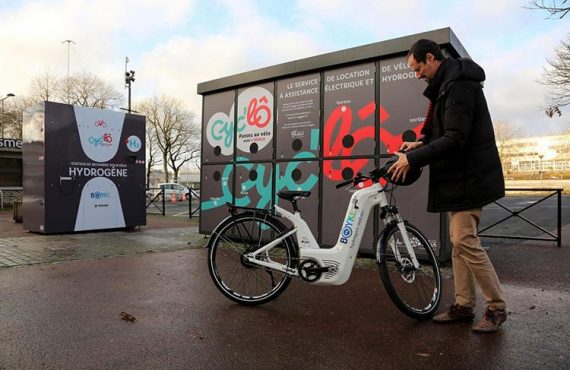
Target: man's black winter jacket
(465,170)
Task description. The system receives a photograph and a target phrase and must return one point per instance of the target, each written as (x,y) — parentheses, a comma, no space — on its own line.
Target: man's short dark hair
(421,47)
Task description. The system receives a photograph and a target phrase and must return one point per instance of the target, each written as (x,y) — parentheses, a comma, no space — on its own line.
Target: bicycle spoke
(416,291)
(237,277)
(230,243)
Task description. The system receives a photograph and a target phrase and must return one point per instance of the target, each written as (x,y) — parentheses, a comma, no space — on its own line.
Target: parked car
(171,188)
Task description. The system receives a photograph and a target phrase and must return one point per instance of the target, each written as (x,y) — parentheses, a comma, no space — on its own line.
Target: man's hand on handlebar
(408,145)
(399,170)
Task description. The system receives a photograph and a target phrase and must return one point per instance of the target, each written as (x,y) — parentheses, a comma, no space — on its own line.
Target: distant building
(156,177)
(10,171)
(10,162)
(189,178)
(536,157)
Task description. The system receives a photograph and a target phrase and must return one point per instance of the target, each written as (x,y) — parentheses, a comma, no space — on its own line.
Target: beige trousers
(471,262)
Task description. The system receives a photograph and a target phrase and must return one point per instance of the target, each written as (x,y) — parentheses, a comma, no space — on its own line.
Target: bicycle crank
(311,271)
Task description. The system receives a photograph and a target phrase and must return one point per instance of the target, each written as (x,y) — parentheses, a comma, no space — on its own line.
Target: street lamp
(129,78)
(9,95)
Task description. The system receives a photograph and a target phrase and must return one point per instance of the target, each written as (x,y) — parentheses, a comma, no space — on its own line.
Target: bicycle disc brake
(407,270)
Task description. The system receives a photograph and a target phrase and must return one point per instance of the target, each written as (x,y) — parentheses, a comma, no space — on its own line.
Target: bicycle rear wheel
(238,279)
(416,292)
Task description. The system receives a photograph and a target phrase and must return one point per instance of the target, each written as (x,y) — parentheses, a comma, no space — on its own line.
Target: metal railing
(10,194)
(517,214)
(155,200)
(192,194)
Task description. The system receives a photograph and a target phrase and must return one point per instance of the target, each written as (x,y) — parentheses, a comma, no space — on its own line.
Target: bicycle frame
(339,259)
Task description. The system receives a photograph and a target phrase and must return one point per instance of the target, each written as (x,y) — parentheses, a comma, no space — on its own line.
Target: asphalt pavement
(66,302)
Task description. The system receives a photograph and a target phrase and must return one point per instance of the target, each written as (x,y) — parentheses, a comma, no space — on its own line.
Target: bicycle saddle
(292,195)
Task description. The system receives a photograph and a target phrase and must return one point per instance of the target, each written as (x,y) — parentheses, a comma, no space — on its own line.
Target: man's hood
(452,70)
(466,69)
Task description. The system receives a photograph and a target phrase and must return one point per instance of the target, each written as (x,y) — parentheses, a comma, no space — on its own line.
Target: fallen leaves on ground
(127,317)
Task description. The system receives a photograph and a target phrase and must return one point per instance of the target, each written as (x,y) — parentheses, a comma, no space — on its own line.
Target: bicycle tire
(416,292)
(238,279)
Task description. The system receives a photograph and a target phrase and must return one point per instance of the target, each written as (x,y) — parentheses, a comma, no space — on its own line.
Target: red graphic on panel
(258,115)
(393,142)
(342,117)
(367,110)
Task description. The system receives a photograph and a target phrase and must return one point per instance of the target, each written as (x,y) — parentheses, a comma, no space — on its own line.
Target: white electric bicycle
(252,255)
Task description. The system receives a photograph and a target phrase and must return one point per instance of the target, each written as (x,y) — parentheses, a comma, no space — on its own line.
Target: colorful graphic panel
(349,111)
(255,122)
(218,127)
(254,184)
(216,190)
(298,108)
(302,176)
(94,173)
(335,202)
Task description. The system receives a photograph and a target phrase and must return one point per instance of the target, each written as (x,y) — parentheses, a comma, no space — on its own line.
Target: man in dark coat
(458,144)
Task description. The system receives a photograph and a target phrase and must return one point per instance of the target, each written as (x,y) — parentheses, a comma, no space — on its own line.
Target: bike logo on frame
(346,231)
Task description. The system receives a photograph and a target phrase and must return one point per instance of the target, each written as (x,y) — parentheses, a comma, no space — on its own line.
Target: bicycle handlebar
(374,175)
(338,186)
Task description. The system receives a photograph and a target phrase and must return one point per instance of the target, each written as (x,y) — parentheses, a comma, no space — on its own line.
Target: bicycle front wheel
(415,291)
(237,278)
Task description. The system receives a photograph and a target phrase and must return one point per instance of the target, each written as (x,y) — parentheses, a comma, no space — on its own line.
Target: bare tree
(557,73)
(83,89)
(504,132)
(87,90)
(557,77)
(177,136)
(185,151)
(153,157)
(9,124)
(43,87)
(12,115)
(556,8)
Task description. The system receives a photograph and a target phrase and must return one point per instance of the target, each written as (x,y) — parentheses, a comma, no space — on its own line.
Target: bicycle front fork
(389,214)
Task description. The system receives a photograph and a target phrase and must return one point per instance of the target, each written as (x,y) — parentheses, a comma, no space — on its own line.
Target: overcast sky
(175,44)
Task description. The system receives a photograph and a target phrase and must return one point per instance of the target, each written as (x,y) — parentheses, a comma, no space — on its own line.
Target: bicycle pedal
(318,270)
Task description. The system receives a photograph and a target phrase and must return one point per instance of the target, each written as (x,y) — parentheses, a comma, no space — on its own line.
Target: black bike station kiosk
(83,169)
(312,123)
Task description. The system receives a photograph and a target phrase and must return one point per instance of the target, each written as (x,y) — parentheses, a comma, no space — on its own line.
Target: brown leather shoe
(490,322)
(455,312)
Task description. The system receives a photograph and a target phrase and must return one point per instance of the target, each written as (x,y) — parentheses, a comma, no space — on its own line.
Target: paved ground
(67,315)
(18,247)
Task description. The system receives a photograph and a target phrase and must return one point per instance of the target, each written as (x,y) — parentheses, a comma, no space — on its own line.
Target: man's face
(425,71)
